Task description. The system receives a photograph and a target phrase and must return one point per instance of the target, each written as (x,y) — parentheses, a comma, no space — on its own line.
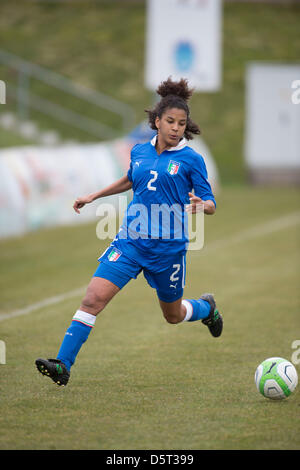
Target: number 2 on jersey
(149,185)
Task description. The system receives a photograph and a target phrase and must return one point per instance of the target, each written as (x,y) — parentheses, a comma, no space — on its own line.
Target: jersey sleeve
(129,172)
(199,177)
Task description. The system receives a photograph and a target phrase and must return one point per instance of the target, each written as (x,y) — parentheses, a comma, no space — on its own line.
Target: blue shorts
(167,276)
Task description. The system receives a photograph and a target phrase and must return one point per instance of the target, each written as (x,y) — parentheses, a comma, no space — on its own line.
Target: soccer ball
(276,378)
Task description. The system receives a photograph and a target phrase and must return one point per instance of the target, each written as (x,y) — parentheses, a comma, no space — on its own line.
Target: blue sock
(196,309)
(75,336)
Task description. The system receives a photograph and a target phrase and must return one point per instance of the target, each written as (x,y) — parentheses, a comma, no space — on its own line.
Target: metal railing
(26,99)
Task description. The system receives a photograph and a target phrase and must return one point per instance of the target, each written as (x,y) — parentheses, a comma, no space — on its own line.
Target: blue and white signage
(184,40)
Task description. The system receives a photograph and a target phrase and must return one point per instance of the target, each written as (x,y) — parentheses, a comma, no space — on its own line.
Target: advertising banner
(184,41)
(272,143)
(40,184)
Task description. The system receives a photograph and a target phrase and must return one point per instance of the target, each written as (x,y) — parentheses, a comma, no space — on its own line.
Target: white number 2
(173,276)
(152,188)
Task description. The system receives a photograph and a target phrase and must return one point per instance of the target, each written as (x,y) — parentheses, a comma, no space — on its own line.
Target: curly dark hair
(174,95)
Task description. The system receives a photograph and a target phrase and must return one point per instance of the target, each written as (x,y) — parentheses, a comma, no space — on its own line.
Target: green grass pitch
(140,383)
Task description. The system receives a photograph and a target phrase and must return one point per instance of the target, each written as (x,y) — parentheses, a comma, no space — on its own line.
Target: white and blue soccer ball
(276,378)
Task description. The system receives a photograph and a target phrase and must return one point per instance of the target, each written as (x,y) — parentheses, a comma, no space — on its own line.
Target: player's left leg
(183,309)
(190,310)
(174,312)
(169,284)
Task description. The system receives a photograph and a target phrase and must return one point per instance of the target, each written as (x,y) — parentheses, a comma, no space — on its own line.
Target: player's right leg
(99,293)
(115,270)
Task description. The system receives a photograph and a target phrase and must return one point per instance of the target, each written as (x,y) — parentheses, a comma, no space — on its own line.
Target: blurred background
(75,80)
(76,77)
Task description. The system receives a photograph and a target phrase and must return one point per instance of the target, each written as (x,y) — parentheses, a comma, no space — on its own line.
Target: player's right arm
(119,186)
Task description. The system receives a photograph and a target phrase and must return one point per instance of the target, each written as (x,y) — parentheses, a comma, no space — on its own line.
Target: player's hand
(196,204)
(80,202)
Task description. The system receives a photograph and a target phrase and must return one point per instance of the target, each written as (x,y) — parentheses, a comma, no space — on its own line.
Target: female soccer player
(162,174)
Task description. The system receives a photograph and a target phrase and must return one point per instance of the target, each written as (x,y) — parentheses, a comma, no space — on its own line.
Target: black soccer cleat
(214,321)
(55,369)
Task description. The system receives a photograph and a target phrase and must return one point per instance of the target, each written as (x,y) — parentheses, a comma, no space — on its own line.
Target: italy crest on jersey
(173,167)
(114,255)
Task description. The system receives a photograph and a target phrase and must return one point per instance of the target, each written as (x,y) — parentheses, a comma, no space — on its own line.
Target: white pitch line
(43,303)
(258,231)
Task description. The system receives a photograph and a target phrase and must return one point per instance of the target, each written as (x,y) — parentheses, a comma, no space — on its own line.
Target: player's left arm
(197,205)
(203,199)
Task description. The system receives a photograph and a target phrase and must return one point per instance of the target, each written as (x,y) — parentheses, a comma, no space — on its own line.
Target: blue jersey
(155,220)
